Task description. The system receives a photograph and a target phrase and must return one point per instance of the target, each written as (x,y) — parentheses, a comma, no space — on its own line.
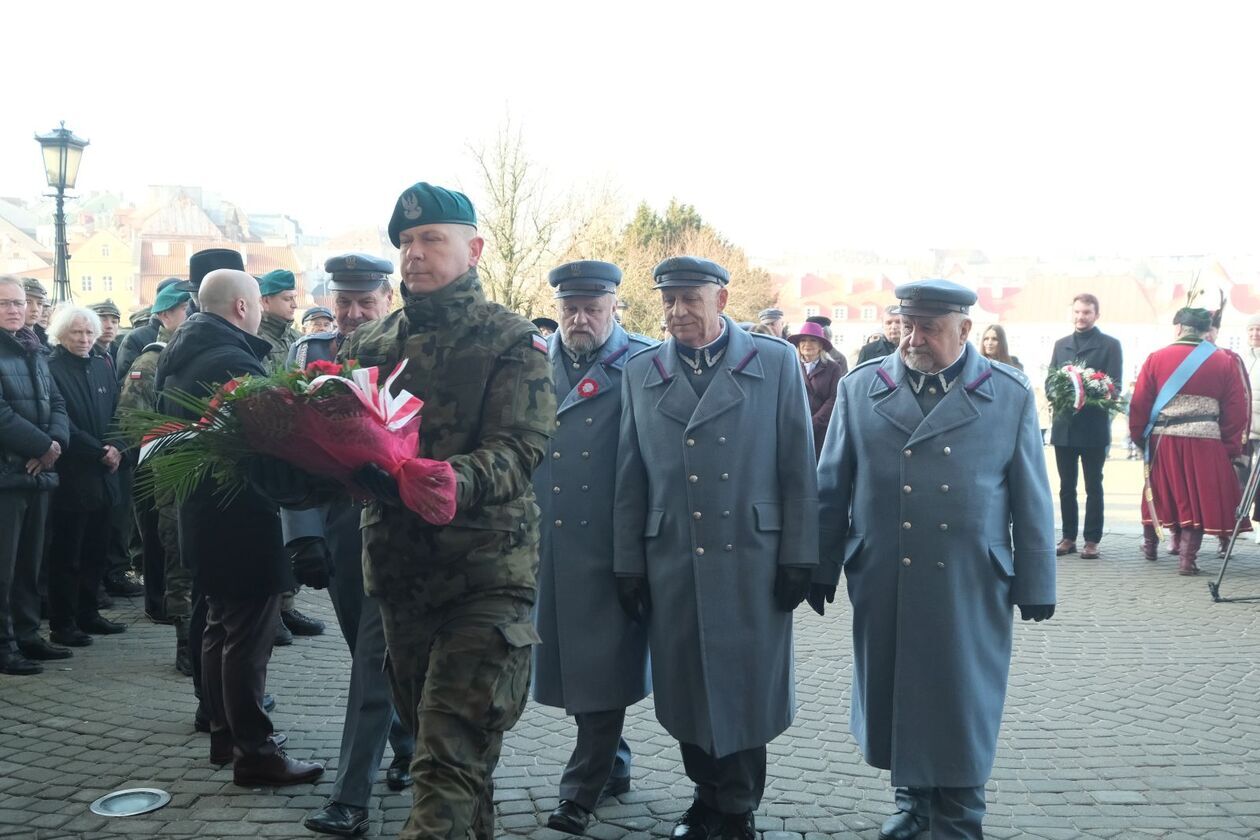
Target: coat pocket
(852,548)
(511,680)
(769,516)
(1002,558)
(652,527)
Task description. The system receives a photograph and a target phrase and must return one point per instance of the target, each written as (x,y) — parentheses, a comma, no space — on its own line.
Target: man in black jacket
(1085,435)
(886,344)
(235,550)
(33,432)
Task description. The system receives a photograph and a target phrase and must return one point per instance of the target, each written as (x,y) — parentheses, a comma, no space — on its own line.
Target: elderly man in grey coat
(934,500)
(713,551)
(593,658)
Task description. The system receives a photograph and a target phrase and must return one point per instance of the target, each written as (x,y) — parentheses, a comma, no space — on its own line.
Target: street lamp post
(62,153)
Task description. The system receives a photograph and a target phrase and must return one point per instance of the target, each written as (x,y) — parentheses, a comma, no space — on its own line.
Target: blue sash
(1173,386)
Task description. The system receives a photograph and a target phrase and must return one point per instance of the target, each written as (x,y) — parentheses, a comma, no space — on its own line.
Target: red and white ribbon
(395,411)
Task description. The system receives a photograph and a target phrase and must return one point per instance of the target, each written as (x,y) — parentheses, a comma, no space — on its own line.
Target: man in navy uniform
(326,550)
(950,526)
(593,658)
(713,550)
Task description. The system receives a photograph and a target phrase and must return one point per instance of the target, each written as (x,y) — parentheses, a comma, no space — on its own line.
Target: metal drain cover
(130,802)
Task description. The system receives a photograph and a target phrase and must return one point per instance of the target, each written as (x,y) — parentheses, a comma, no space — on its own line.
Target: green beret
(425,204)
(106,307)
(169,298)
(275,282)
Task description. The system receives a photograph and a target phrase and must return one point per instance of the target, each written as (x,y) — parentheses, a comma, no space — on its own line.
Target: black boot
(183,659)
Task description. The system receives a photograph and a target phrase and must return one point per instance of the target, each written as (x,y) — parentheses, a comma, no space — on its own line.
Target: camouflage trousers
(460,676)
(177,598)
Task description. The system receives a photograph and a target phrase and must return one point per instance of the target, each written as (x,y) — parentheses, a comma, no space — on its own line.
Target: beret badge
(411,207)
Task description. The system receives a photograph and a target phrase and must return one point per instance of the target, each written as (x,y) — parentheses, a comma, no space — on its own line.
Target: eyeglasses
(12,304)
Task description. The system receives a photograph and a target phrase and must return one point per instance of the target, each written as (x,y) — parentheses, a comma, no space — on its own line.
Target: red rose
(1099,375)
(323,368)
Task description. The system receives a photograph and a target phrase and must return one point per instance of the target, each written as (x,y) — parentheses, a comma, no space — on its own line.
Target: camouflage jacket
(483,374)
(281,335)
(137,383)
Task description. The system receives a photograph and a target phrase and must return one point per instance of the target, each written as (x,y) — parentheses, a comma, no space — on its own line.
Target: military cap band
(688,271)
(584,278)
(770,314)
(932,297)
(317,312)
(357,272)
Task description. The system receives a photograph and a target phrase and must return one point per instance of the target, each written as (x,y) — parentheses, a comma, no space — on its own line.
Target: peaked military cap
(545,323)
(767,315)
(585,277)
(106,307)
(688,271)
(34,288)
(169,298)
(357,272)
(211,259)
(932,297)
(277,281)
(426,204)
(141,317)
(317,312)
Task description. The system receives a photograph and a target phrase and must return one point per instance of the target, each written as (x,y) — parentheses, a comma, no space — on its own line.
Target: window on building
(868,313)
(840,313)
(107,283)
(85,283)
(811,311)
(105,250)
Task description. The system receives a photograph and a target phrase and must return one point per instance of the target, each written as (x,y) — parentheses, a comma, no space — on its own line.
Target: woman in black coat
(89,482)
(822,376)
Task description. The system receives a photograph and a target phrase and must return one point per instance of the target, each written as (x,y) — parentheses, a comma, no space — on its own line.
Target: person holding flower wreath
(1081,438)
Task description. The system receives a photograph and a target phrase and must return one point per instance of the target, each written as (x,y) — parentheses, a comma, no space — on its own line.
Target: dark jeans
(76,564)
(235,649)
(22,515)
(1091,460)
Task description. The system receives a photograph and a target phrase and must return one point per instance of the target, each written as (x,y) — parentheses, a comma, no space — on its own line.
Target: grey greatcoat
(713,494)
(593,657)
(942,524)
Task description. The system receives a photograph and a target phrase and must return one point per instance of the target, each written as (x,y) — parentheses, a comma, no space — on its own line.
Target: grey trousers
(370,719)
(22,527)
(953,813)
(600,754)
(732,784)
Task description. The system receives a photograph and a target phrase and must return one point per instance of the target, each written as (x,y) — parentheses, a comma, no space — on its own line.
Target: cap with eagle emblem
(426,204)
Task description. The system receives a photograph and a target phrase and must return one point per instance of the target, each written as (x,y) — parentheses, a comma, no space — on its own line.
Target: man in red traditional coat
(1196,432)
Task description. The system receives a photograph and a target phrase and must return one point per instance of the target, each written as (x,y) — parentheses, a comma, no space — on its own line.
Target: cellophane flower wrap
(328,420)
(1075,386)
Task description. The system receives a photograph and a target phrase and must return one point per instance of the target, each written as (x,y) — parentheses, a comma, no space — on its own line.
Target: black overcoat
(91,394)
(1090,427)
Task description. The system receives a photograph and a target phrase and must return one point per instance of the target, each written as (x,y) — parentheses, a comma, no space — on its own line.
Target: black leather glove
(791,584)
(379,483)
(818,593)
(311,561)
(278,480)
(634,597)
(1036,612)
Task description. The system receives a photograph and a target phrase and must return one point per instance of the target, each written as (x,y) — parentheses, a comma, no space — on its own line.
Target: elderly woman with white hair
(89,482)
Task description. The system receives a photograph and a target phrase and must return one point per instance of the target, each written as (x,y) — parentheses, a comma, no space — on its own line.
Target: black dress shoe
(17,665)
(615,786)
(100,626)
(338,818)
(283,636)
(569,817)
(903,825)
(70,637)
(269,703)
(121,585)
(37,648)
(699,822)
(738,827)
(398,776)
(275,769)
(301,625)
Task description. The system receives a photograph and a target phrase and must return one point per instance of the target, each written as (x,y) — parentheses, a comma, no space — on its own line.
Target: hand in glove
(1036,612)
(311,561)
(791,583)
(379,483)
(278,480)
(635,598)
(819,593)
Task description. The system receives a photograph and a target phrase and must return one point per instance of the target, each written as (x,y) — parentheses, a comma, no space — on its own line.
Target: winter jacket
(32,415)
(91,394)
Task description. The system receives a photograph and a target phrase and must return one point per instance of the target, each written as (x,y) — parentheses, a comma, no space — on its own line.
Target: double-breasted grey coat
(942,523)
(713,495)
(593,657)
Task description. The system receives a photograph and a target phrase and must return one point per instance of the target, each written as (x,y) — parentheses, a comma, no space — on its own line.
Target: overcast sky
(1014,127)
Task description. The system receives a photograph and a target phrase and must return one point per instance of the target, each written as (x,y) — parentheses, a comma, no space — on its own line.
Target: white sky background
(1055,127)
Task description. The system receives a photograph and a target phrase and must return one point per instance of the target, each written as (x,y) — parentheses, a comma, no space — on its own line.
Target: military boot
(1190,542)
(183,659)
(1150,543)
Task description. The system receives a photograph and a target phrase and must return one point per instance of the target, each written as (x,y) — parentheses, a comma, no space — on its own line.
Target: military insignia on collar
(587,388)
(411,207)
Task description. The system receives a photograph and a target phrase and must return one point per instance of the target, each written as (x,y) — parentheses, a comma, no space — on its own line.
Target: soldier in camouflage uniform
(456,599)
(170,310)
(279,294)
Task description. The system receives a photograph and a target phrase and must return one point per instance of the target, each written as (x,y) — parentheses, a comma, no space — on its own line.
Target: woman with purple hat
(821,376)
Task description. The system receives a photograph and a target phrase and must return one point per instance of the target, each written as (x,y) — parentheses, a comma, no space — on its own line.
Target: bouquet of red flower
(328,420)
(1074,386)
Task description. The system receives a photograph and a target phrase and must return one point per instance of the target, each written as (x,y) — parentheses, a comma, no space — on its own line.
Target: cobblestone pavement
(1135,712)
